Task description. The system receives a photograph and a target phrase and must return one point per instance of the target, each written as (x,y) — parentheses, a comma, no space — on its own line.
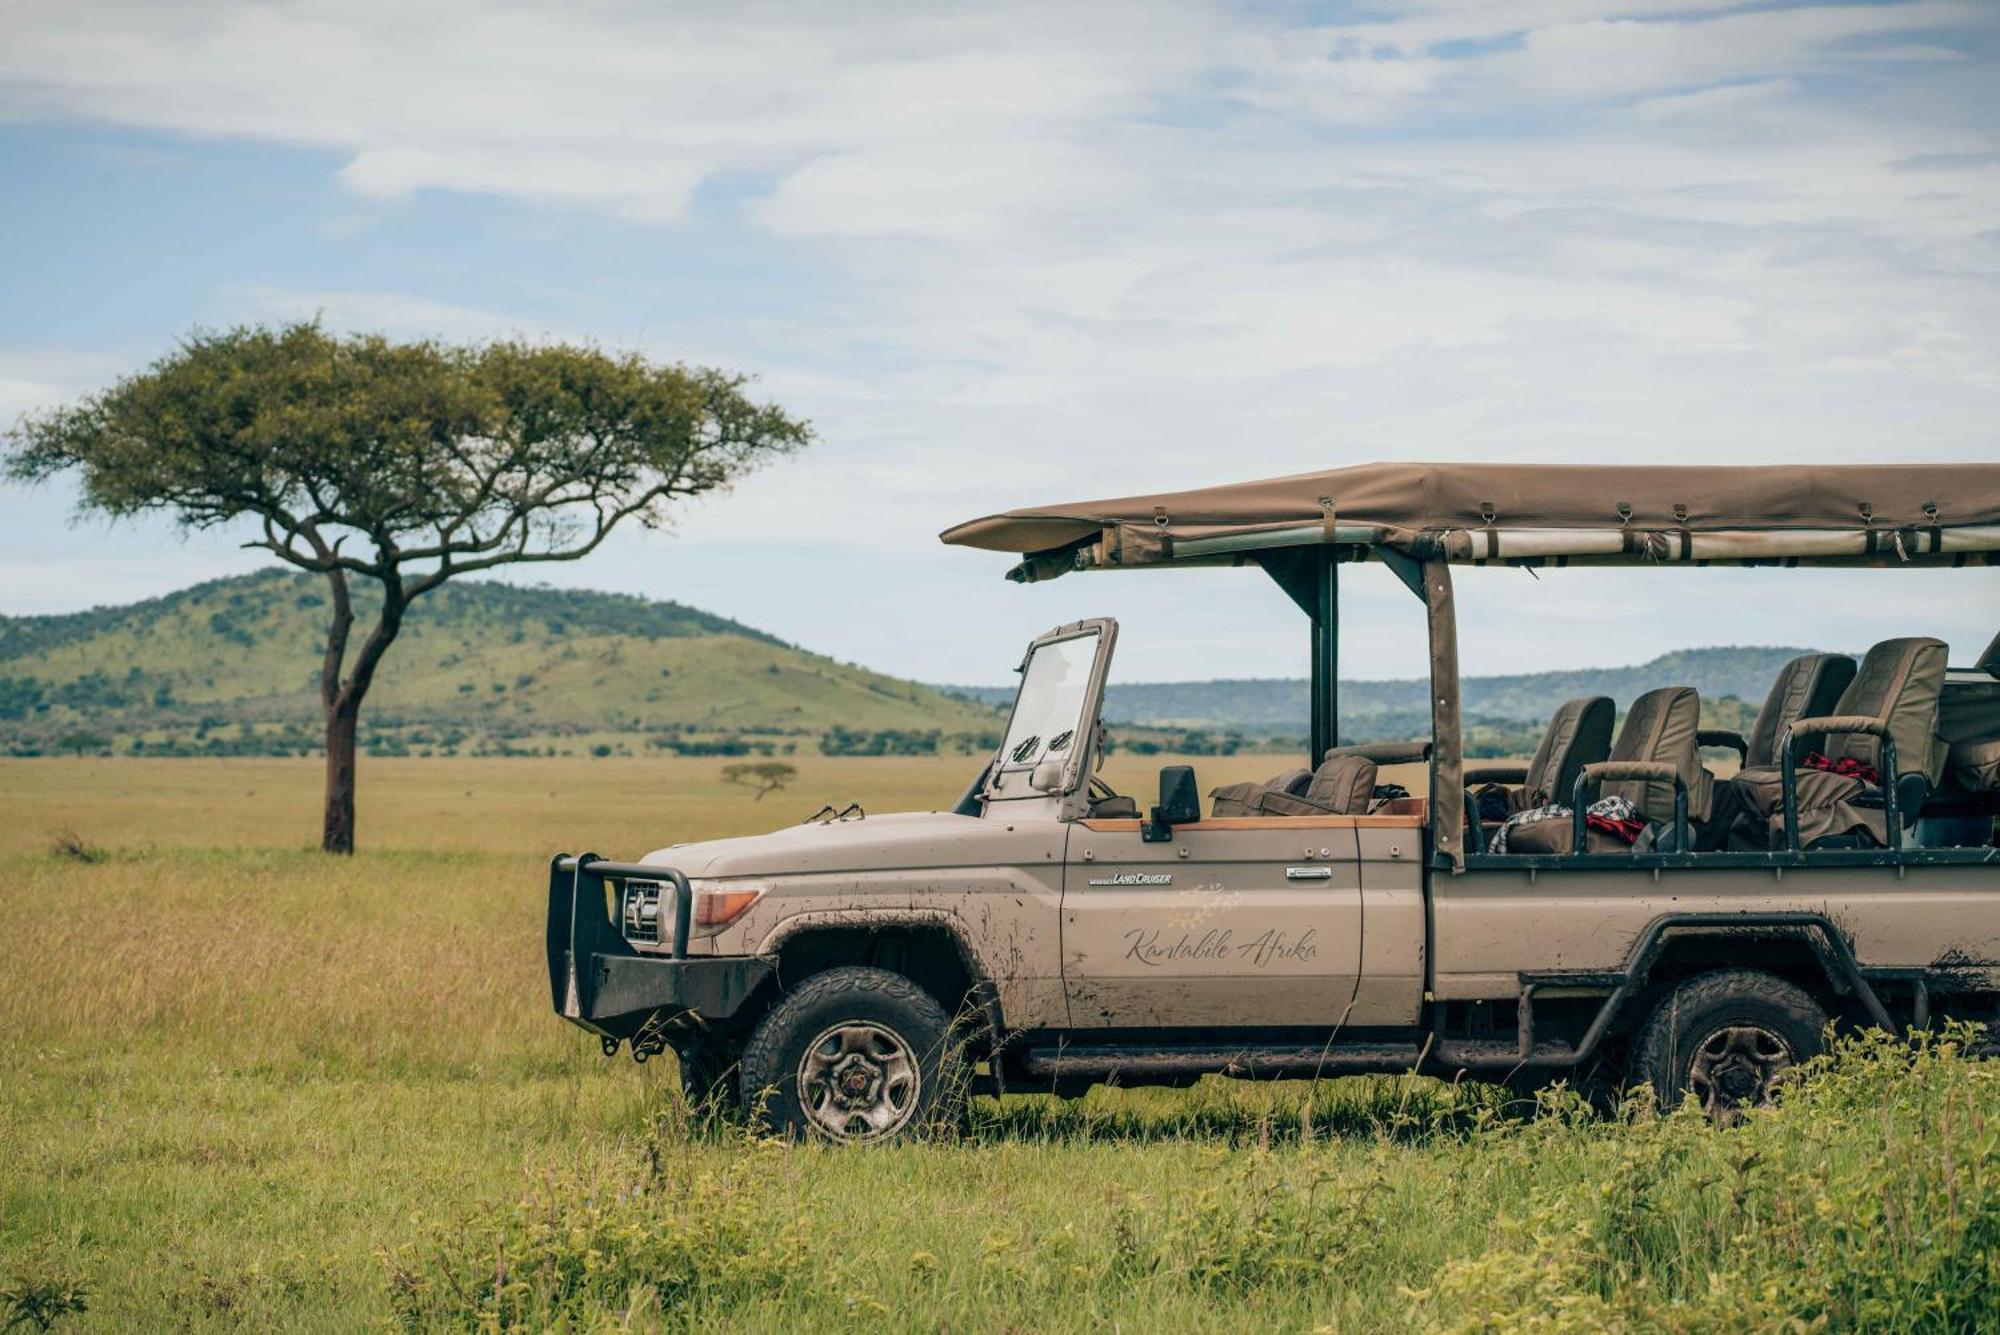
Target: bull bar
(599,981)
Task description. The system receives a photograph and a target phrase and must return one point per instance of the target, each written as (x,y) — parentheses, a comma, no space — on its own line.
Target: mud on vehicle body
(1610,913)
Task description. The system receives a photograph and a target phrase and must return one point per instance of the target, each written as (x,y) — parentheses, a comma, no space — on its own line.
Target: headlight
(646,911)
(715,909)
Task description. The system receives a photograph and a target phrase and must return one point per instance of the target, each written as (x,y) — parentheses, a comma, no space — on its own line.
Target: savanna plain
(246,1085)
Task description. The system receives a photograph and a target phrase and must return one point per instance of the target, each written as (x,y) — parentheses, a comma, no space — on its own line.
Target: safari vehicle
(1612,913)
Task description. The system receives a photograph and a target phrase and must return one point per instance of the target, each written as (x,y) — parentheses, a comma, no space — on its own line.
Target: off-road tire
(1728,1037)
(904,1029)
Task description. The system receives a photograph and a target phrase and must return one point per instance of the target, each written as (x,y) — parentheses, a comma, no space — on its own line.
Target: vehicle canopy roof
(1423,518)
(1476,512)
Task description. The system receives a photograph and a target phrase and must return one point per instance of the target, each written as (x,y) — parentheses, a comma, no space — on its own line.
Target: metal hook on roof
(1624,513)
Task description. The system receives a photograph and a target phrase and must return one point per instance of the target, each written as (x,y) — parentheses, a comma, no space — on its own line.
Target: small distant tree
(81,742)
(766,776)
(400,464)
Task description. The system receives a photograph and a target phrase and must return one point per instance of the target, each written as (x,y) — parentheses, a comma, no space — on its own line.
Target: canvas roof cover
(1481,511)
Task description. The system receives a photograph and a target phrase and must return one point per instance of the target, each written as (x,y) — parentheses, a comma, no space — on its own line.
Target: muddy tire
(1729,1038)
(855,1055)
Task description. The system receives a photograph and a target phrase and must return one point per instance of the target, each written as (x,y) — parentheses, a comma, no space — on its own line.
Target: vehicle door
(1240,921)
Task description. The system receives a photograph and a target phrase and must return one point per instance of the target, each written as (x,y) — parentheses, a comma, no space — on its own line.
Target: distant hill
(232,667)
(1370,710)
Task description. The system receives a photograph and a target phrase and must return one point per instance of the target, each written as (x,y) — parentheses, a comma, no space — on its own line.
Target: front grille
(641,915)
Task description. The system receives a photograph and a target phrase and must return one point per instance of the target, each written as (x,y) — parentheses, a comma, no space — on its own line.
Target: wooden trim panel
(1389,821)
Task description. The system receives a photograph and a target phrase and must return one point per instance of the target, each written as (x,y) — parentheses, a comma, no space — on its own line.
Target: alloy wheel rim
(1737,1067)
(859,1081)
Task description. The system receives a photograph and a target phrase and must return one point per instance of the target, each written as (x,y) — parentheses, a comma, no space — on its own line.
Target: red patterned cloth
(1846,765)
(1625,830)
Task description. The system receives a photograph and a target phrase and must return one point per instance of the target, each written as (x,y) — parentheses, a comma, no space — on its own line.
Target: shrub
(581,1254)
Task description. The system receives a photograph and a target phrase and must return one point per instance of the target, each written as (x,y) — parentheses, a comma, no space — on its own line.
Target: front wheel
(1729,1038)
(854,1055)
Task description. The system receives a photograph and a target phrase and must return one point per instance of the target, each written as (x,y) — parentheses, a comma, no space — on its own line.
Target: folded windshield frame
(1054,715)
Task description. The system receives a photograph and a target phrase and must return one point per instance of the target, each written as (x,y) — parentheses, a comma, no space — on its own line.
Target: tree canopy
(407,463)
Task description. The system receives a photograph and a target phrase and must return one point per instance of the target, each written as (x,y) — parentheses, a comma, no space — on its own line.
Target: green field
(244,1085)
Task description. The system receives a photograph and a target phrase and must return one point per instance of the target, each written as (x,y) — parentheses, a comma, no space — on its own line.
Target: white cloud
(37,378)
(1098,248)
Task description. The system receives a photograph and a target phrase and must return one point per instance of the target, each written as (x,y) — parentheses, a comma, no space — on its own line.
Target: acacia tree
(766,776)
(405,464)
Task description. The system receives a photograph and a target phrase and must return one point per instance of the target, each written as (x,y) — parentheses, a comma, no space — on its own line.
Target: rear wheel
(1729,1038)
(854,1055)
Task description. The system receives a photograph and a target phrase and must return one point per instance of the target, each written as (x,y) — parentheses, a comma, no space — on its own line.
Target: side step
(1140,1062)
(1505,1055)
(1143,1061)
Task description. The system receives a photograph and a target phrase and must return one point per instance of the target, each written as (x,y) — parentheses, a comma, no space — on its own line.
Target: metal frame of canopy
(1304,557)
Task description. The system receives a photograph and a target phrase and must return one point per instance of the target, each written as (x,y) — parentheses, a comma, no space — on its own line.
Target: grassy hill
(232,667)
(1504,715)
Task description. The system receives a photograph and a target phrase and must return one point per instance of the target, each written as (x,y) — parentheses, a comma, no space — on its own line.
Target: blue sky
(1010,254)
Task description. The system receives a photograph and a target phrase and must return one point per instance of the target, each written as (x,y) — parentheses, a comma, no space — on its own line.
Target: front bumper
(600,982)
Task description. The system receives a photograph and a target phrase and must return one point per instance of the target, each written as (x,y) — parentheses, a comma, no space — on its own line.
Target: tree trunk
(338,835)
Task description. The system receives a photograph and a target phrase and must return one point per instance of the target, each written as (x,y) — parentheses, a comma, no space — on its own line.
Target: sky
(1008,254)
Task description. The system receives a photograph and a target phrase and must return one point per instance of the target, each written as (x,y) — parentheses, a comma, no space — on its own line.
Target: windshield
(1048,711)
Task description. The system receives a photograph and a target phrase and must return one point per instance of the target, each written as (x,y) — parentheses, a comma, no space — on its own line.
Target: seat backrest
(1292,781)
(1661,726)
(1579,734)
(1344,785)
(1341,786)
(1899,682)
(1809,686)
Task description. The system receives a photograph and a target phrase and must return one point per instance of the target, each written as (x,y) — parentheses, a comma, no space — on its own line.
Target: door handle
(1308,873)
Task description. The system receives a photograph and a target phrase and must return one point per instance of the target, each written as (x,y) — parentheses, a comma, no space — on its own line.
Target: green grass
(245,1086)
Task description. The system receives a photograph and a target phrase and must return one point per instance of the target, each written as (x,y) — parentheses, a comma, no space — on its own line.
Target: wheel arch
(928,946)
(1809,950)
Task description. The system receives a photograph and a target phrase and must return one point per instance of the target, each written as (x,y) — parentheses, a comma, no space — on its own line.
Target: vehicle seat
(1975,764)
(1240,799)
(1897,688)
(1659,730)
(1343,785)
(1579,734)
(1809,686)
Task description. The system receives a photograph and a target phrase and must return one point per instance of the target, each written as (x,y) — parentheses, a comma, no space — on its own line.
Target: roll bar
(1652,771)
(1803,729)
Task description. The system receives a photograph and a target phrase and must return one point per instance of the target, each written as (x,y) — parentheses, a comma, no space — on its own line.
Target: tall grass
(252,1088)
(1868,1201)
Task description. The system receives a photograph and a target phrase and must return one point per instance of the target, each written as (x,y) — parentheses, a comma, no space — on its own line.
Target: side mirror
(1180,804)
(1047,776)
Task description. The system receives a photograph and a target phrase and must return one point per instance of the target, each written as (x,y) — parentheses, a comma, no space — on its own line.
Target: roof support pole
(1310,577)
(1447,796)
(1325,654)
